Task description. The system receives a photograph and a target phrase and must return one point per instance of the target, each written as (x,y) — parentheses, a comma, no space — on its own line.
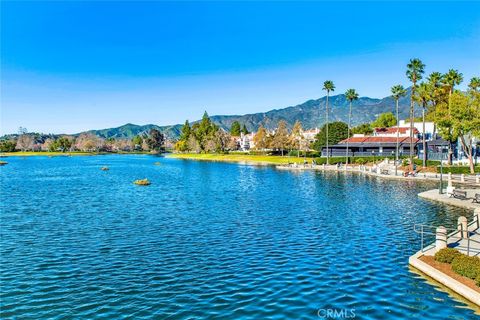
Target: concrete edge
(444,279)
(465,205)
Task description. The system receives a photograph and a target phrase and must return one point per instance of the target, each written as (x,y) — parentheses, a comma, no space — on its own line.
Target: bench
(462,195)
(476,199)
(384,171)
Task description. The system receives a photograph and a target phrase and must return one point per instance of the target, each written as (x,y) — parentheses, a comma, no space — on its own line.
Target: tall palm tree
(423,96)
(398,91)
(474,84)
(450,80)
(328,86)
(351,95)
(435,82)
(415,70)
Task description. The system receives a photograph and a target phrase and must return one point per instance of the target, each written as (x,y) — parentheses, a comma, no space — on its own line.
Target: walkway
(446,199)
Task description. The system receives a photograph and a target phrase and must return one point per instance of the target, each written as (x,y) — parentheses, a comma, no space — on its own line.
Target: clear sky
(72,66)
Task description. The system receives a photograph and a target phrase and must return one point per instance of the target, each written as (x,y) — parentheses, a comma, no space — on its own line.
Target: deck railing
(456,235)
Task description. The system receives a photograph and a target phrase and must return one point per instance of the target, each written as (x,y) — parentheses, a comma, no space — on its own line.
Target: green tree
(7,145)
(363,128)
(450,80)
(137,142)
(415,70)
(461,119)
(204,131)
(398,92)
(329,87)
(156,140)
(423,96)
(244,129)
(336,133)
(63,144)
(185,132)
(351,95)
(436,92)
(474,84)
(235,130)
(384,120)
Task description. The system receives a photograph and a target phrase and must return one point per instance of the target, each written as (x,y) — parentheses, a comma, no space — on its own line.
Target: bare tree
(25,142)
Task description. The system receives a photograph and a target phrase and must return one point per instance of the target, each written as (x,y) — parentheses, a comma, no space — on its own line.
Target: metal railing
(423,230)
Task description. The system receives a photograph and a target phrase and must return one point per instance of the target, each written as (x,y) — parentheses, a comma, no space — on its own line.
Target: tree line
(154,140)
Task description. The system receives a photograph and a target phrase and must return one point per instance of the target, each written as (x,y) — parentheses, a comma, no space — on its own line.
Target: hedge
(462,264)
(458,169)
(446,255)
(467,266)
(430,163)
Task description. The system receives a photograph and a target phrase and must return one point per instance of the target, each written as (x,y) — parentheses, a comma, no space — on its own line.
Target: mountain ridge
(310,113)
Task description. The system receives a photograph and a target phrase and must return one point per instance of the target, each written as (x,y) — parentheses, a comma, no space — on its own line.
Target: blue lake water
(210,240)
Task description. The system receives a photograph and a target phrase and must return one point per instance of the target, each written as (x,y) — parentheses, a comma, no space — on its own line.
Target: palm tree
(423,96)
(435,82)
(415,70)
(452,78)
(398,91)
(328,86)
(474,84)
(351,95)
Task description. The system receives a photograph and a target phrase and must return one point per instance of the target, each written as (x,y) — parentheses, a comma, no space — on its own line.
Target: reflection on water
(210,240)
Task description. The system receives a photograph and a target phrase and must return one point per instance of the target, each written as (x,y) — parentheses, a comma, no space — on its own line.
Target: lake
(211,240)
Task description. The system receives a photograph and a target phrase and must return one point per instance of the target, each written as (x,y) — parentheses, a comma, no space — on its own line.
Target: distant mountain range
(311,113)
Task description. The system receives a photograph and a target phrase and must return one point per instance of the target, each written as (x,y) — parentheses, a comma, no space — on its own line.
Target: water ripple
(210,240)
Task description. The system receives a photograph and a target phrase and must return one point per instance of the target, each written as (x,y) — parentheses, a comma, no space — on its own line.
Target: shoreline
(64,154)
(282,163)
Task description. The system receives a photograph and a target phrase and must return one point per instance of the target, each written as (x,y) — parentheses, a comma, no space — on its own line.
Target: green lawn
(263,159)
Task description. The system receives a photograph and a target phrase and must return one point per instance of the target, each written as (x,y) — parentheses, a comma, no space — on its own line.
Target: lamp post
(440,189)
(394,161)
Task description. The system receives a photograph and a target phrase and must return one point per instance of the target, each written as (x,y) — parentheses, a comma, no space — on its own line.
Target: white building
(245,141)
(429,128)
(310,134)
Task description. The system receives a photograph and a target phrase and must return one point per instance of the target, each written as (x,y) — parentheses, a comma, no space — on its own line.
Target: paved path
(468,180)
(445,198)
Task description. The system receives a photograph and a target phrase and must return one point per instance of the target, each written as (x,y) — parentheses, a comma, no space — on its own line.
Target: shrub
(466,266)
(477,280)
(142,182)
(361,160)
(458,170)
(430,163)
(446,255)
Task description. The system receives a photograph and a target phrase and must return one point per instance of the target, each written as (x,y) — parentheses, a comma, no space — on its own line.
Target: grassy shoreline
(245,158)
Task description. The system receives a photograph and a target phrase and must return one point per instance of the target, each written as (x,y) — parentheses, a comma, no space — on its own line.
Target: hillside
(311,113)
(130,130)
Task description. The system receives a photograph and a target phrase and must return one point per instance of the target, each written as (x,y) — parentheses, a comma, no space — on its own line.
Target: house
(392,132)
(310,134)
(245,141)
(370,145)
(430,129)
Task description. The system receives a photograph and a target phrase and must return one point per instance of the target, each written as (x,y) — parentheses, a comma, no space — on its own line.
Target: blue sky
(72,66)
